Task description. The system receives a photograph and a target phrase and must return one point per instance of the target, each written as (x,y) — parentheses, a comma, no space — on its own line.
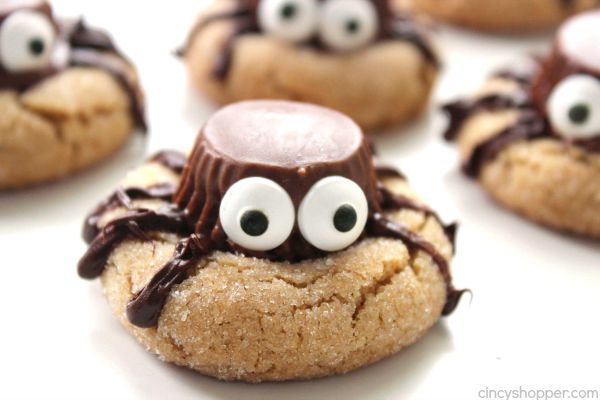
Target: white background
(533,321)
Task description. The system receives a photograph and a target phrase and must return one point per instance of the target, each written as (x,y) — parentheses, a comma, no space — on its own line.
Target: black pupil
(345,218)
(36,46)
(288,11)
(254,223)
(352,26)
(579,113)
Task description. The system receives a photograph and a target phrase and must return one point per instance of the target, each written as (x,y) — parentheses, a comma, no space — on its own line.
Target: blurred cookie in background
(68,96)
(355,56)
(500,15)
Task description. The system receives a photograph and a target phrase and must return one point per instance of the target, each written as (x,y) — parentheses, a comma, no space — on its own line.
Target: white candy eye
(291,20)
(348,24)
(257,214)
(574,107)
(333,213)
(26,41)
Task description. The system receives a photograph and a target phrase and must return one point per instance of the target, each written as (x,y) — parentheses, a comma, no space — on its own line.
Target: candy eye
(348,24)
(333,213)
(291,20)
(257,214)
(574,107)
(26,41)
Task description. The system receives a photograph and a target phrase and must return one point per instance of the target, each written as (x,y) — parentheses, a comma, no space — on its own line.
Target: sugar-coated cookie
(280,252)
(532,135)
(68,98)
(355,56)
(501,15)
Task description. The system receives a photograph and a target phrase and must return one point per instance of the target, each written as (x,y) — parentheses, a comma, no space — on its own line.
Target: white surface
(533,320)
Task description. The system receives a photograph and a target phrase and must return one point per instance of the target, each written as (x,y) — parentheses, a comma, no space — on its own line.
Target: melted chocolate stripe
(459,111)
(390,201)
(225,60)
(118,68)
(82,36)
(406,29)
(381,226)
(135,224)
(529,126)
(386,171)
(172,159)
(394,201)
(123,197)
(144,308)
(208,20)
(94,48)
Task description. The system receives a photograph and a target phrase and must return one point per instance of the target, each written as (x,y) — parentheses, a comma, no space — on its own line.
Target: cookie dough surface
(382,85)
(546,180)
(501,15)
(241,318)
(63,124)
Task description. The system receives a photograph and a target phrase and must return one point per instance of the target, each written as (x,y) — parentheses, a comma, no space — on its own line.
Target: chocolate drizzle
(407,29)
(144,308)
(172,159)
(135,224)
(78,45)
(382,226)
(124,198)
(460,111)
(218,161)
(392,27)
(528,127)
(387,171)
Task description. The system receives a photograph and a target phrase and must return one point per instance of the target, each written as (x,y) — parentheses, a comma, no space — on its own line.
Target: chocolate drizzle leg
(124,198)
(406,28)
(460,111)
(135,224)
(144,308)
(528,127)
(121,71)
(94,48)
(225,60)
(232,147)
(172,159)
(386,171)
(210,19)
(380,225)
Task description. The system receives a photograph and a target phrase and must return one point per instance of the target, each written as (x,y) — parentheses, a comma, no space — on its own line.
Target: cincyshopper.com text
(522,393)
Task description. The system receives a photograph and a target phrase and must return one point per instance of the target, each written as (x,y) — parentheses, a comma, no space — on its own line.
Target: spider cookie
(501,15)
(355,56)
(280,252)
(68,97)
(532,136)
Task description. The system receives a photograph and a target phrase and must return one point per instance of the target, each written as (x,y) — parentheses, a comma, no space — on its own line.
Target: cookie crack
(377,287)
(324,300)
